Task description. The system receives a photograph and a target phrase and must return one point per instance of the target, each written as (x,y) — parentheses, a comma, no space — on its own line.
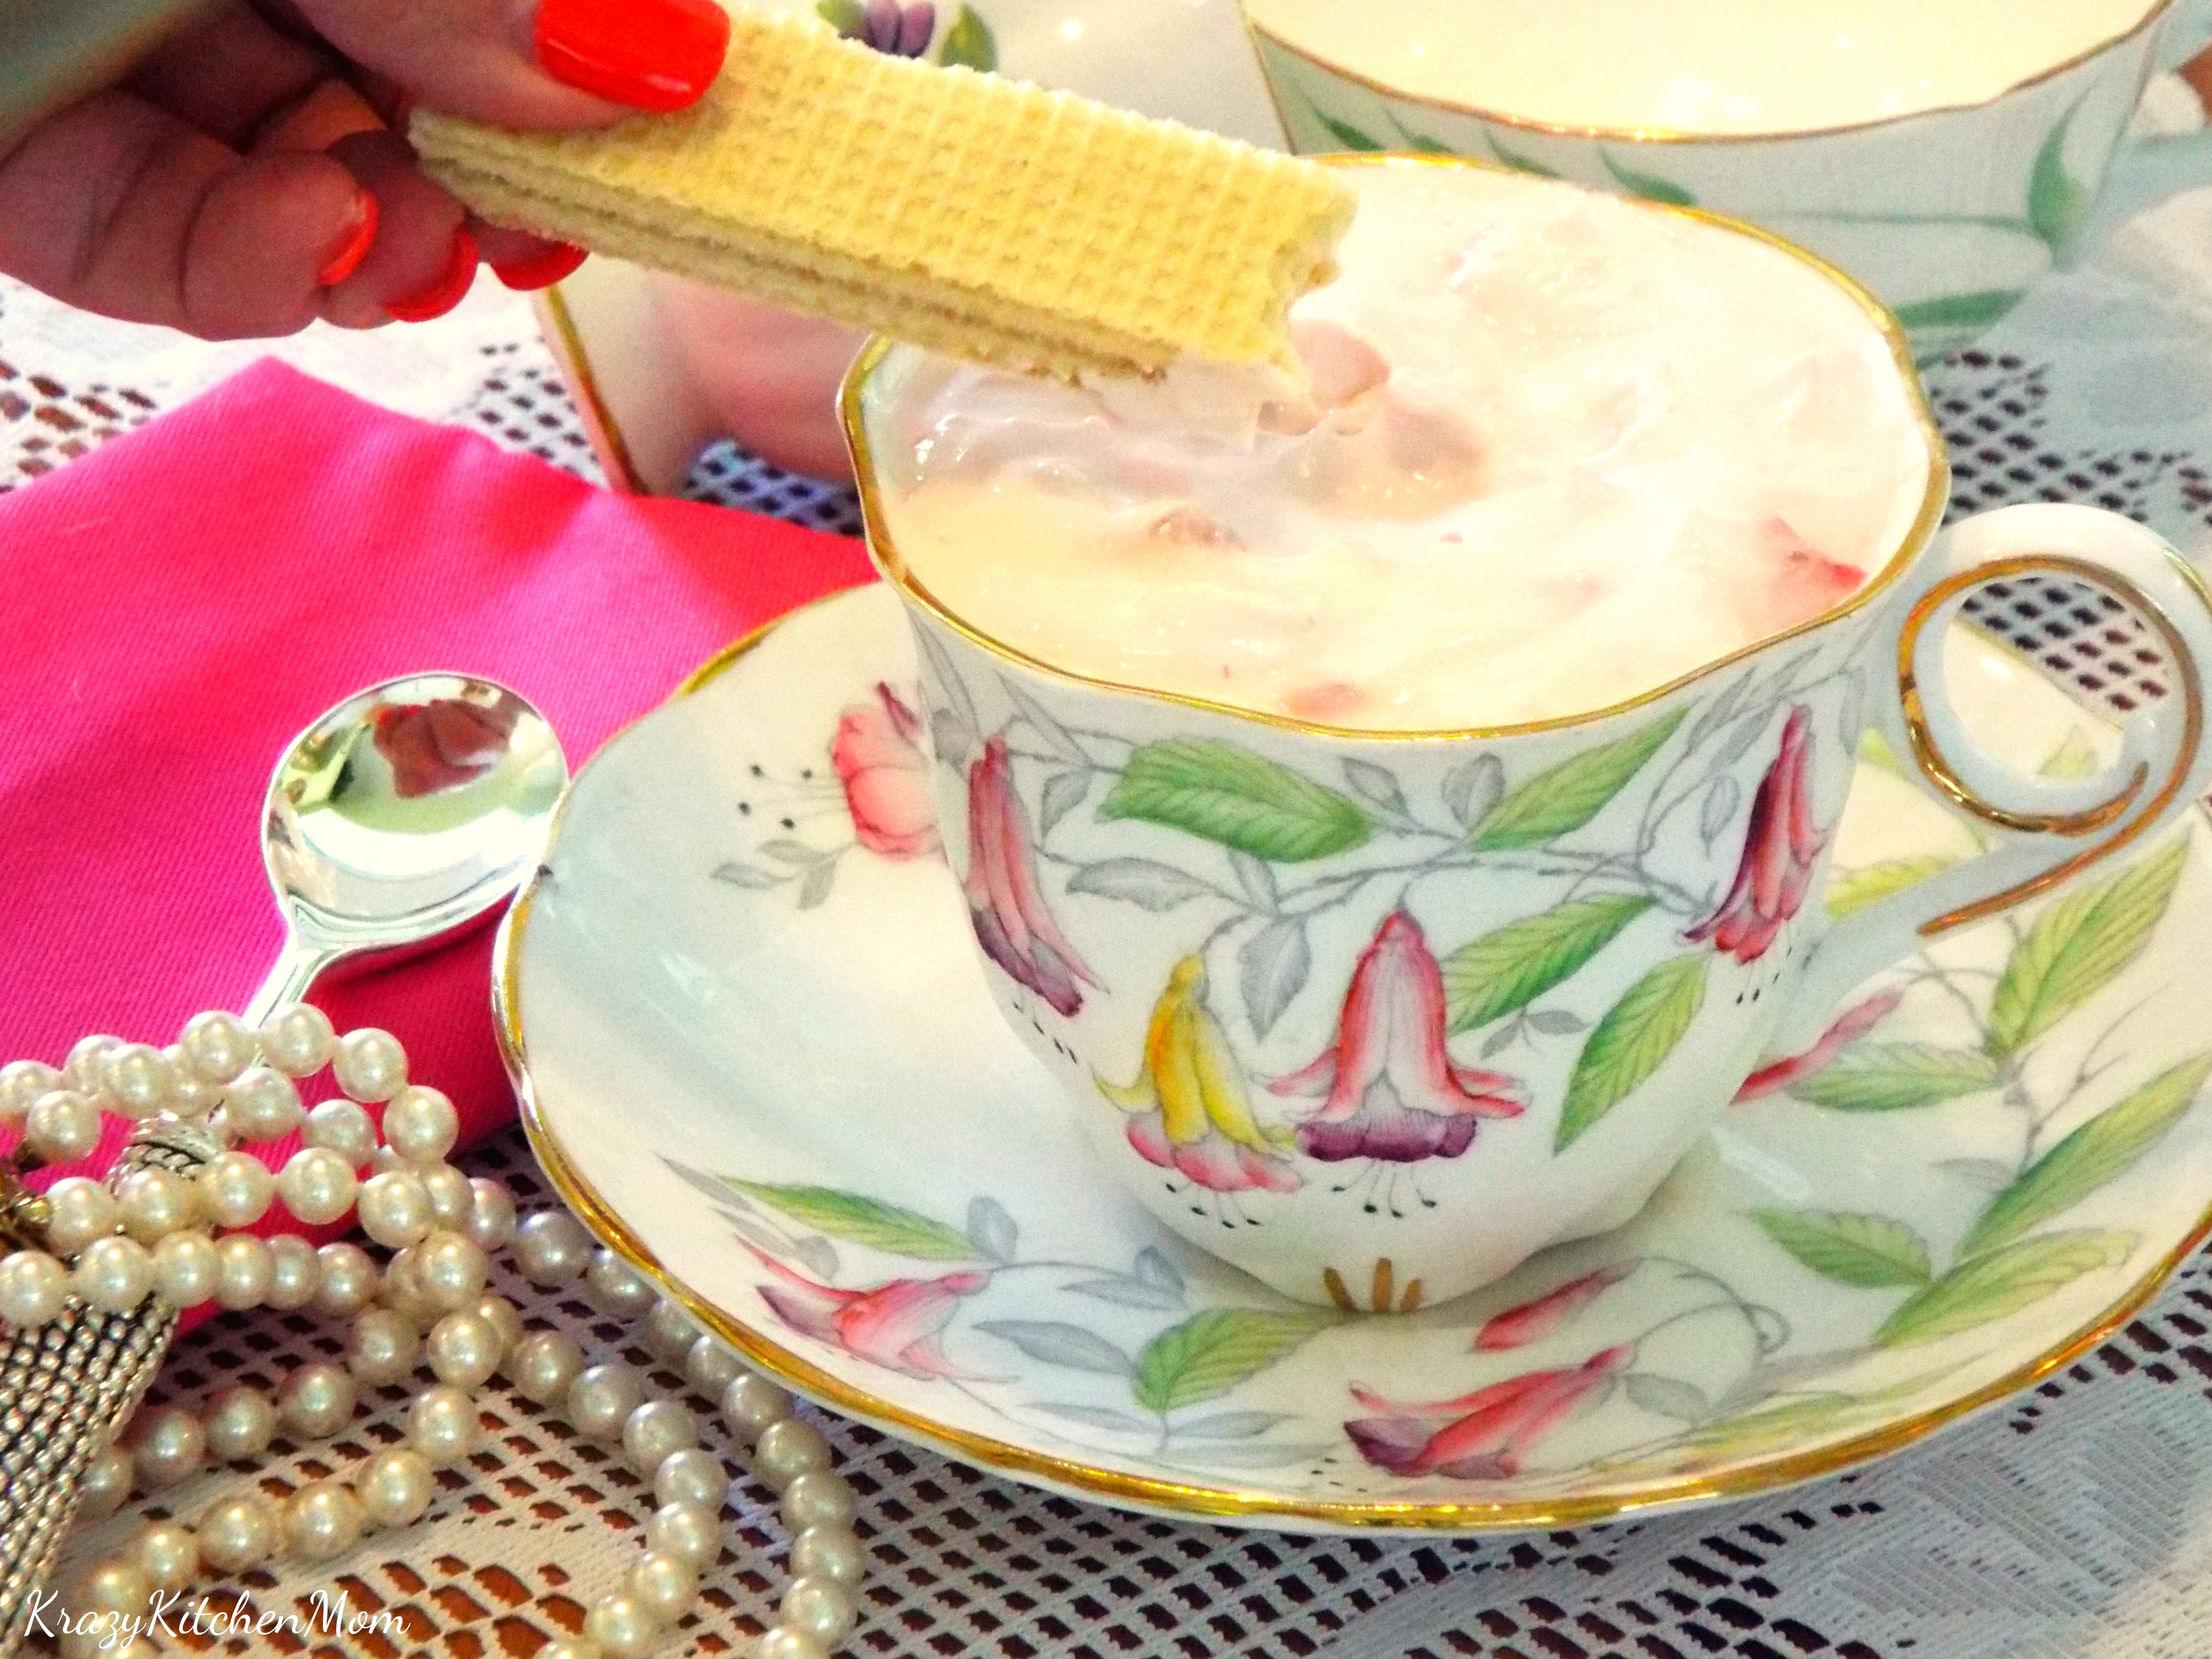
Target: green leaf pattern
(1858,888)
(1892,1077)
(1503,972)
(1648,187)
(1212,1352)
(2057,200)
(2077,947)
(1517,161)
(969,42)
(1227,794)
(1349,136)
(1772,1426)
(866,1221)
(1813,1416)
(1566,797)
(1985,1288)
(1631,1042)
(1866,1250)
(2073,758)
(2099,1150)
(1968,311)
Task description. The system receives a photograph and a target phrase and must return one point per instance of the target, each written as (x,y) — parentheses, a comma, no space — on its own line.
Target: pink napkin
(173,608)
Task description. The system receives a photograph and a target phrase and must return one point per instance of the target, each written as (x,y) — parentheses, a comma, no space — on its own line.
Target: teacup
(1374,1016)
(1945,155)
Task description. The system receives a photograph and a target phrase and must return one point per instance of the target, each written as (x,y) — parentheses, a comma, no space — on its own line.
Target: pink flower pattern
(886,777)
(1850,1026)
(896,1324)
(1392,1092)
(1780,846)
(1480,1436)
(1004,902)
(1533,1321)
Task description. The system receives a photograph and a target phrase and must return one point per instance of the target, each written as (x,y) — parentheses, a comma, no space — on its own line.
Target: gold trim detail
(1939,771)
(554,306)
(1260,32)
(1934,494)
(1111,1486)
(726,658)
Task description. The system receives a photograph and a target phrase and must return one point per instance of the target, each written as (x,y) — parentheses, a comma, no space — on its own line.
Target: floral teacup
(1376,1016)
(1945,155)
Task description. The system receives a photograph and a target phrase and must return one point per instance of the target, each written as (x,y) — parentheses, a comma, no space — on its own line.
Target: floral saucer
(757,1055)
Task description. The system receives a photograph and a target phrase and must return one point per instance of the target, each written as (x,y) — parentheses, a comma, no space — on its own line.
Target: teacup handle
(2045,831)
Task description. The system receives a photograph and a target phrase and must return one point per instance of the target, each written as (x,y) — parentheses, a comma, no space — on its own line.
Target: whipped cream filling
(1553,450)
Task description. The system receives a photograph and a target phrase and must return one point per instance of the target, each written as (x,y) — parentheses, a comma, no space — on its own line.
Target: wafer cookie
(972,215)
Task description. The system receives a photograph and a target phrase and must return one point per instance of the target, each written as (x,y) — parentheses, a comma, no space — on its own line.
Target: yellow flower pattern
(1190,1108)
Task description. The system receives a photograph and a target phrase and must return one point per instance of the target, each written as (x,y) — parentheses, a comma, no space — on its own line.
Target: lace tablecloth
(2074,1520)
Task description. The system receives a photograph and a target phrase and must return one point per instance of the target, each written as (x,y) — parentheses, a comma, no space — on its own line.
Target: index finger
(546,63)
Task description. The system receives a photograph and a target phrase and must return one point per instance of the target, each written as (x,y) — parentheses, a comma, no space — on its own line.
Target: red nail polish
(354,248)
(442,295)
(537,271)
(652,54)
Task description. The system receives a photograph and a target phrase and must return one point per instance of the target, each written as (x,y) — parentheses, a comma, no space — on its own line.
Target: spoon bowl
(400,818)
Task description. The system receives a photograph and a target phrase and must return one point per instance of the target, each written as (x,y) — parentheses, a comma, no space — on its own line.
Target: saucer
(757,1055)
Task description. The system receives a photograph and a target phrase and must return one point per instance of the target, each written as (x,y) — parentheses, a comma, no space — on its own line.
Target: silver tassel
(67,1389)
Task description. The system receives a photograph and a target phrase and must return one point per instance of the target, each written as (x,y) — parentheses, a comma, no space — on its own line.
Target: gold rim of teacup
(1936,493)
(557,322)
(1263,36)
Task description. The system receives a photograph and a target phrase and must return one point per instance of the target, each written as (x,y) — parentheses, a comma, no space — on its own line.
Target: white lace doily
(2074,1522)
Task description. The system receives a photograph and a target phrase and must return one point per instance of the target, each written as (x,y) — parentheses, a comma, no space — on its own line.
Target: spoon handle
(66,1390)
(298,965)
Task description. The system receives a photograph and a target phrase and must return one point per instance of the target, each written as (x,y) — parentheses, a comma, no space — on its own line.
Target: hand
(251,175)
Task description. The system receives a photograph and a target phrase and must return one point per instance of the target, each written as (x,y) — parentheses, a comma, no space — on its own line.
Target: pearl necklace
(425,1307)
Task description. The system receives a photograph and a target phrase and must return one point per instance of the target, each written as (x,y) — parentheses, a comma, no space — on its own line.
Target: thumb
(533,62)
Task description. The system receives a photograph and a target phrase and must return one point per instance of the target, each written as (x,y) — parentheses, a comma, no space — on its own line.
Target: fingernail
(331,112)
(442,295)
(652,54)
(529,274)
(359,237)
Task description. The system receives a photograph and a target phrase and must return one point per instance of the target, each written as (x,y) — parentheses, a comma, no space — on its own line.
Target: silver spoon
(400,820)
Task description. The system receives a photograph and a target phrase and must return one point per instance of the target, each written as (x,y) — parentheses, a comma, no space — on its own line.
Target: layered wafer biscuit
(972,215)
